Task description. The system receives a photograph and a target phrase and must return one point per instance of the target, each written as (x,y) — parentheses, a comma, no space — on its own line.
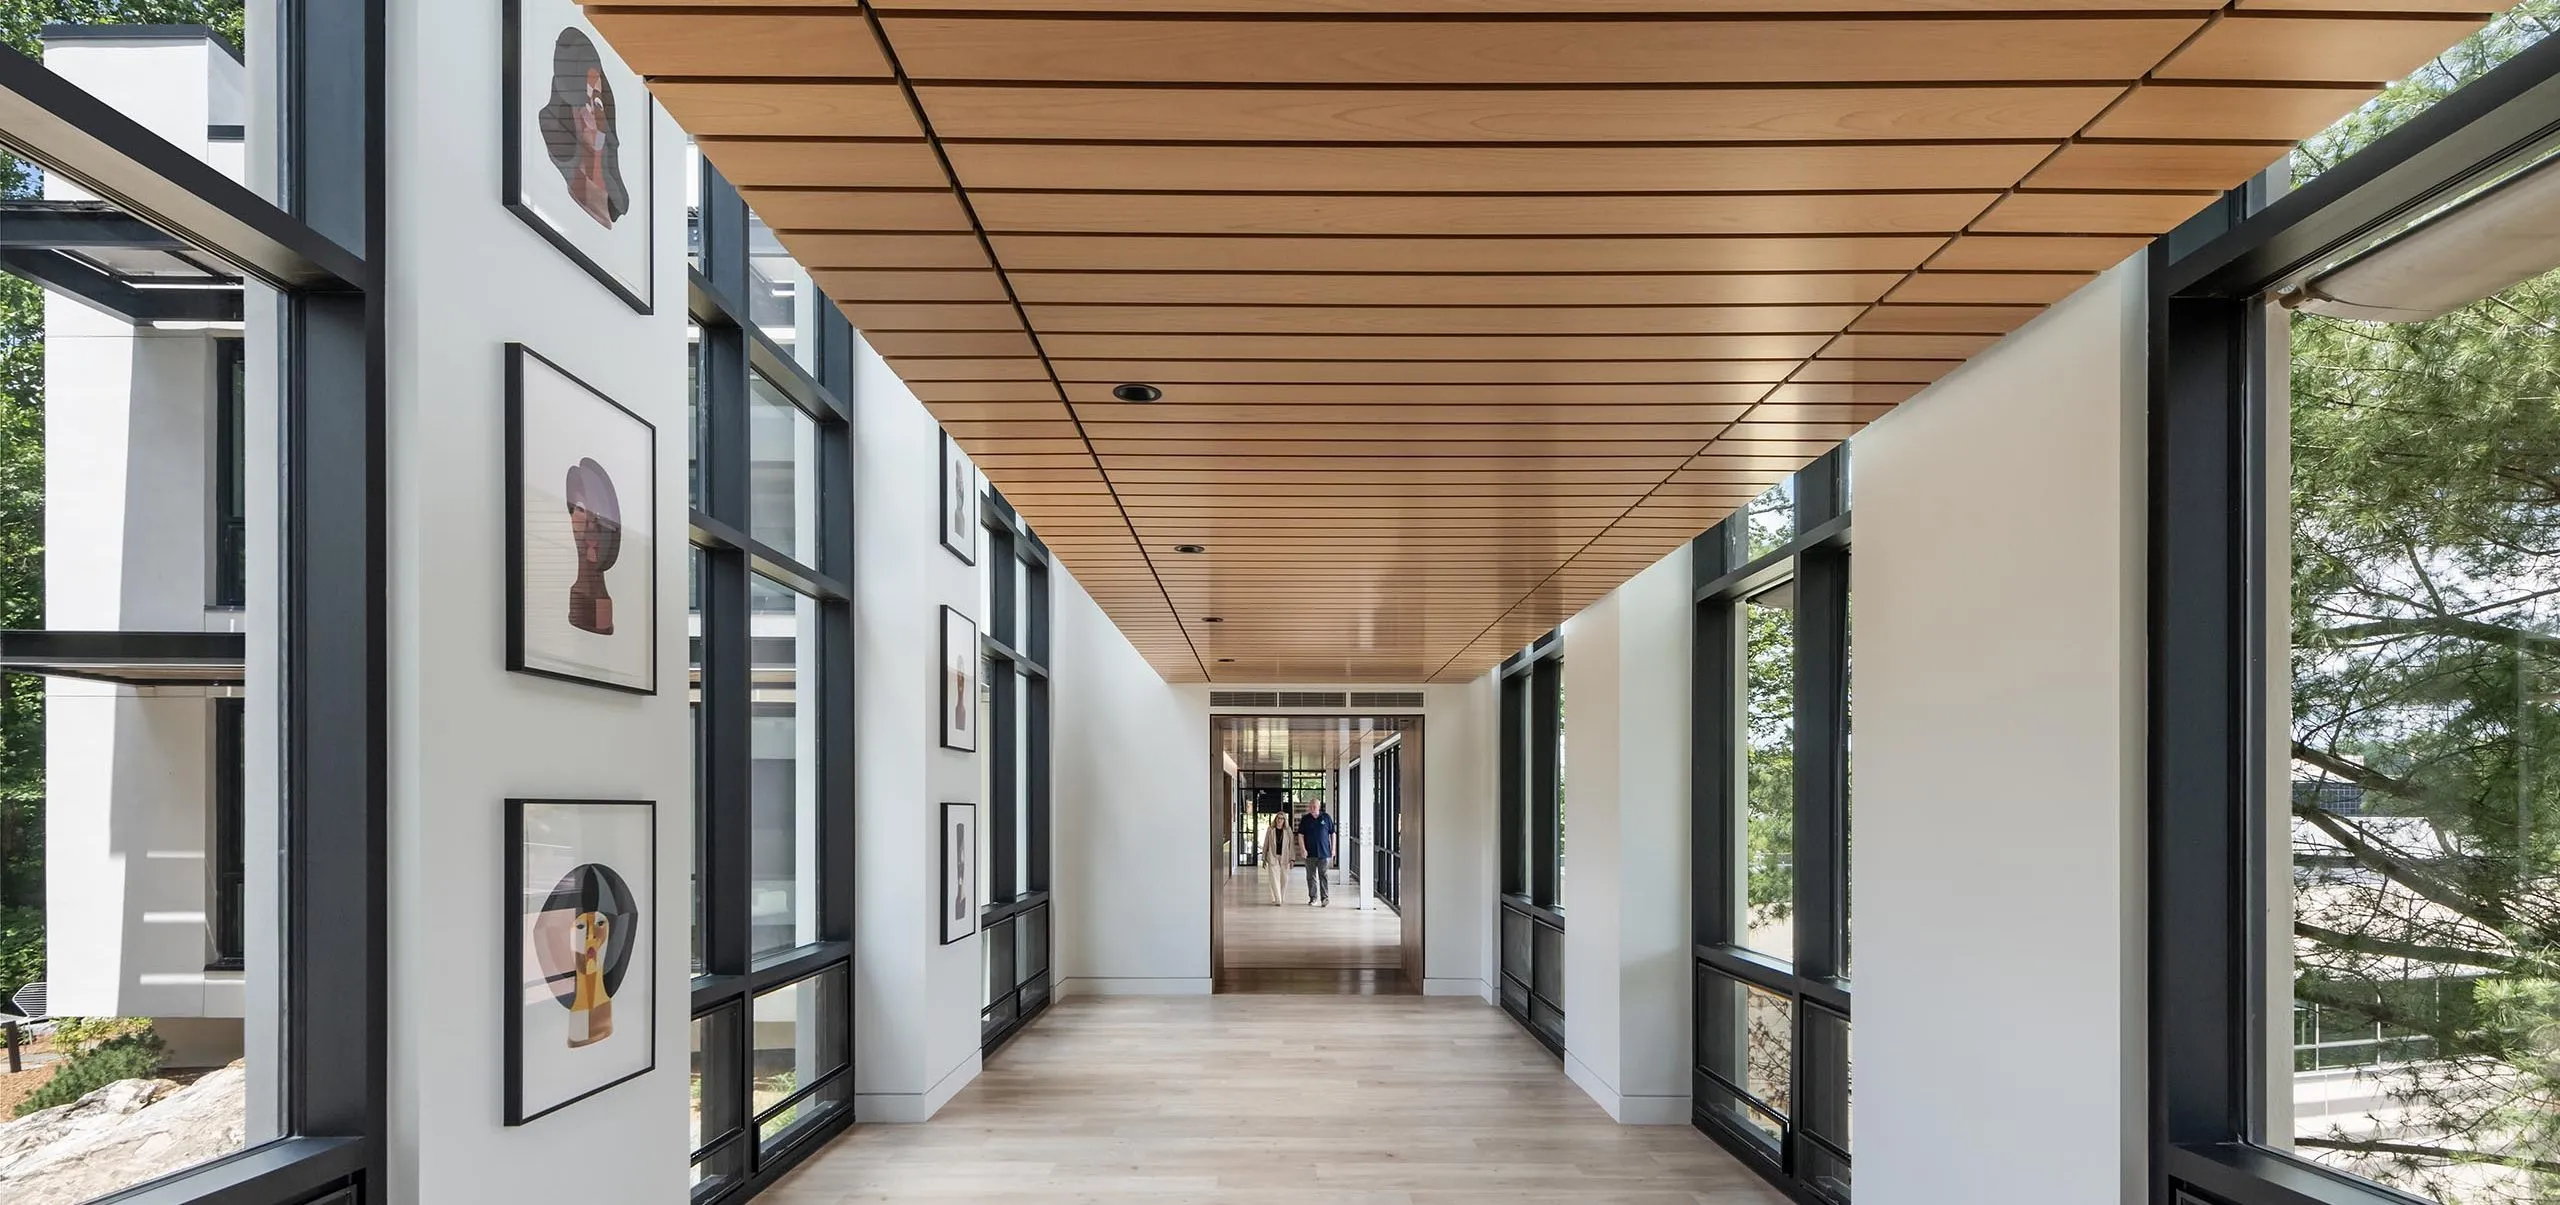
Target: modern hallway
(1347,933)
(1271,1099)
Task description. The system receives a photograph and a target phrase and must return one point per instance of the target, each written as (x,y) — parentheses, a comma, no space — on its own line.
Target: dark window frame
(1528,914)
(229,531)
(738,1162)
(321,248)
(1014,648)
(1386,766)
(1809,1155)
(2210,573)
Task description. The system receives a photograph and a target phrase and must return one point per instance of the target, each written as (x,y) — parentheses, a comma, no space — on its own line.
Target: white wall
(1998,882)
(1626,863)
(1460,836)
(916,999)
(467,276)
(1131,808)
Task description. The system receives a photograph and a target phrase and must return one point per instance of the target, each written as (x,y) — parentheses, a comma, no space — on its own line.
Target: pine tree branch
(2449,1154)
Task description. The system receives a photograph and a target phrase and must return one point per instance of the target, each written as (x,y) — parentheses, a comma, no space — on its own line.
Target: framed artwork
(959,502)
(581,1006)
(959,896)
(582,553)
(959,682)
(578,147)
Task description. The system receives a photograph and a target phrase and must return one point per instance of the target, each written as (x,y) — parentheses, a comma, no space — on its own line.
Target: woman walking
(1275,856)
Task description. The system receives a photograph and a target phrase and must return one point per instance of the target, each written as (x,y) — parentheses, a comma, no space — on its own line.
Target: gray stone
(119,1136)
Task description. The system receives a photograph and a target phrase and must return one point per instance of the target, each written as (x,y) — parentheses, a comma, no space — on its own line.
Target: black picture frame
(959,698)
(959,507)
(512,190)
(519,357)
(959,847)
(510,985)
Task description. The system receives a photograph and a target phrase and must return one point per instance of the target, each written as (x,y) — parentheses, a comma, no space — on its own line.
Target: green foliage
(1769,764)
(2502,39)
(132,1056)
(82,1034)
(22,22)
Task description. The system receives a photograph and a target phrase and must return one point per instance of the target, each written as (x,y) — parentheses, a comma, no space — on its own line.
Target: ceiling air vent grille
(1386,698)
(1310,698)
(1243,698)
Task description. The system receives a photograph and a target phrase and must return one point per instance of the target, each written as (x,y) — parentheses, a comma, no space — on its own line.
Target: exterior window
(771,685)
(1771,896)
(1013,827)
(1530,913)
(192,798)
(2357,580)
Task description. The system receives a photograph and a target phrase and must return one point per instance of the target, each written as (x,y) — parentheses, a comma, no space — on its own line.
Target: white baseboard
(1103,986)
(1477,988)
(911,1108)
(1622,1108)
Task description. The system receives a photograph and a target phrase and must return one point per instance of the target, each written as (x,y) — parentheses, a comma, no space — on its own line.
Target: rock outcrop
(119,1136)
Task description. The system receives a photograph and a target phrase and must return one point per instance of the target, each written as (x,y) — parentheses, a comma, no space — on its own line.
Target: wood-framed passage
(581,938)
(959,502)
(959,893)
(959,681)
(579,146)
(582,550)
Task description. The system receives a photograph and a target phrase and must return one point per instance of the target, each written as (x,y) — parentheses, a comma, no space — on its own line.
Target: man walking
(1315,845)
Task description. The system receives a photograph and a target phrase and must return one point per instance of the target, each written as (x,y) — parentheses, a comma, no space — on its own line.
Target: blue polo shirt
(1316,829)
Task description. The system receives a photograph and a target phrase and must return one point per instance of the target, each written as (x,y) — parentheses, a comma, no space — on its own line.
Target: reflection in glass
(2424,798)
(1769,813)
(783,835)
(717,1102)
(782,478)
(781,301)
(799,1036)
(693,699)
(1771,520)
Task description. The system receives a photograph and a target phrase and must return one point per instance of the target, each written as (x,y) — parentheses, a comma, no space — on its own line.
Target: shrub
(21,948)
(79,1035)
(129,1056)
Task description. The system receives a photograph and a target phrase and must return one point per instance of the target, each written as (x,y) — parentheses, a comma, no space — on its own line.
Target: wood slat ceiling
(1464,310)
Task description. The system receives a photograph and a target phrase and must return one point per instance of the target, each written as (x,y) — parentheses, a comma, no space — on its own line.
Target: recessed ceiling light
(1134,392)
(1189,549)
(1212,619)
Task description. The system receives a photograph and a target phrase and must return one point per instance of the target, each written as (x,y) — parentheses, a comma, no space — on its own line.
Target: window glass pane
(2424,799)
(693,414)
(1021,801)
(799,1036)
(987,667)
(693,696)
(783,444)
(784,824)
(692,203)
(138,429)
(781,301)
(1770,521)
(1848,776)
(2505,36)
(1768,1047)
(718,1104)
(1560,792)
(1769,775)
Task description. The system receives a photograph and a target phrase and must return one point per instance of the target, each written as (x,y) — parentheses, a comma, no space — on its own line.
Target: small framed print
(959,895)
(580,159)
(581,939)
(959,682)
(582,504)
(959,502)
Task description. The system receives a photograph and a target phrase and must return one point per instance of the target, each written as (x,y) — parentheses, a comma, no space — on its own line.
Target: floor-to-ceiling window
(1386,768)
(1771,810)
(192,617)
(2355,678)
(1015,831)
(772,687)
(1530,916)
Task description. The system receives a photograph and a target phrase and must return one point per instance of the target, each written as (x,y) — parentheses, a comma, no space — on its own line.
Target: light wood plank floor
(1273,1100)
(1293,935)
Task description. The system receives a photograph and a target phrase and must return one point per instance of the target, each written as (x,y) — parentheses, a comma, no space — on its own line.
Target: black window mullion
(1003,820)
(1714,761)
(1546,682)
(1515,786)
(1821,758)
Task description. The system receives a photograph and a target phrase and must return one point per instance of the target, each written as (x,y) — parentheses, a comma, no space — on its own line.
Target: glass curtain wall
(153,591)
(1771,811)
(2355,676)
(772,687)
(1530,915)
(1014,826)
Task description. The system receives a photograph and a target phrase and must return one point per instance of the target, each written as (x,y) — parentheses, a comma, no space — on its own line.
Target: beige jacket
(1277,845)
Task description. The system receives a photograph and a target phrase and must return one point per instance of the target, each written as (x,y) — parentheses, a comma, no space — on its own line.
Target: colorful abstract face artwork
(579,950)
(579,145)
(582,579)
